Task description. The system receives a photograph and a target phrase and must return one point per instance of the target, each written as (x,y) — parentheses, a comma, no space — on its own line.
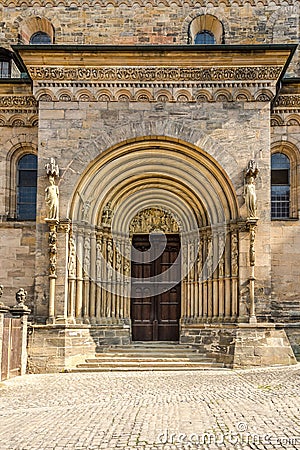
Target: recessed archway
(178,179)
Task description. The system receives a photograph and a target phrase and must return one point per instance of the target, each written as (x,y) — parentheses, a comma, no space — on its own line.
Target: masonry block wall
(88,128)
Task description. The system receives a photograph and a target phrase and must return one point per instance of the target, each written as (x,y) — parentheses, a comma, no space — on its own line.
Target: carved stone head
(21,297)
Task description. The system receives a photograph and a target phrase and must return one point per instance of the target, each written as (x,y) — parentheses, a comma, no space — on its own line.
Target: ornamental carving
(72,257)
(130,3)
(234,254)
(14,101)
(107,215)
(252,247)
(154,219)
(292,101)
(151,74)
(52,242)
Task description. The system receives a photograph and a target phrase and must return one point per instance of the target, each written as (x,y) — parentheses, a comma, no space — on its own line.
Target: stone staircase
(142,356)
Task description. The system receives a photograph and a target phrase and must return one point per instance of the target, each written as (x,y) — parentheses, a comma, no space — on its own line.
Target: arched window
(40,38)
(280,186)
(26,187)
(36,30)
(205,37)
(206,29)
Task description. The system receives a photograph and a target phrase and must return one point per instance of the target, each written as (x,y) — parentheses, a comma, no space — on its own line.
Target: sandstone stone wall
(17,269)
(285,238)
(17,239)
(144,23)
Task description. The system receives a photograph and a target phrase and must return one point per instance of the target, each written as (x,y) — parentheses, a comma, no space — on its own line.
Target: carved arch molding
(142,187)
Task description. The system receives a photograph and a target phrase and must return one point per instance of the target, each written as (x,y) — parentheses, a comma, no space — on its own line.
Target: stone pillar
(252,231)
(3,310)
(52,243)
(71,278)
(23,312)
(61,298)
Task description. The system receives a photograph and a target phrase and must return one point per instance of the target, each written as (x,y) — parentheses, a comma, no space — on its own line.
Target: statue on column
(51,191)
(249,189)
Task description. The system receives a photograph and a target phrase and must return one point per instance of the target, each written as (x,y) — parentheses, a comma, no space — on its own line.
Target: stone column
(71,278)
(252,230)
(52,243)
(61,302)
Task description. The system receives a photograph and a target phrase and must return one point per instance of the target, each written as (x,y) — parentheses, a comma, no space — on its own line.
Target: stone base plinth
(109,335)
(241,345)
(53,348)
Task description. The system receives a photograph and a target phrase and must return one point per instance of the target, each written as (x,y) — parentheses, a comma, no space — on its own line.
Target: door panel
(155,314)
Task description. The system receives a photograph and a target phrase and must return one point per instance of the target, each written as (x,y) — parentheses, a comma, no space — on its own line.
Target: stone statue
(249,188)
(72,258)
(154,219)
(21,297)
(51,198)
(85,209)
(107,215)
(52,168)
(252,169)
(250,198)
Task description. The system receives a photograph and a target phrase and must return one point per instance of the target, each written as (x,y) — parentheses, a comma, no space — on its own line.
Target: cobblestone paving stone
(213,409)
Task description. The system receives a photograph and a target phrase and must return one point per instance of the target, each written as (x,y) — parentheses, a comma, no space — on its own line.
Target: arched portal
(153,185)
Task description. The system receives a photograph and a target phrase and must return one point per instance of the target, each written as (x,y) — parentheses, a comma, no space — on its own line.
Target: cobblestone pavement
(213,409)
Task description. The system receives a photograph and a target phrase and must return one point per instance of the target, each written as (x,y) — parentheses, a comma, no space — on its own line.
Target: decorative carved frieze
(155,74)
(131,3)
(17,101)
(288,101)
(18,111)
(154,219)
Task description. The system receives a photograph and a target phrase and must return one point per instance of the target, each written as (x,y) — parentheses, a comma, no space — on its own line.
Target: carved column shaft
(92,294)
(72,277)
(252,230)
(79,274)
(52,245)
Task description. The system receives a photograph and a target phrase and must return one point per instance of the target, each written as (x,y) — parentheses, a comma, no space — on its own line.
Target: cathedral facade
(149,178)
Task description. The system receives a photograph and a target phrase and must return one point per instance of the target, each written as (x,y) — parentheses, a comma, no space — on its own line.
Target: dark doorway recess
(156,287)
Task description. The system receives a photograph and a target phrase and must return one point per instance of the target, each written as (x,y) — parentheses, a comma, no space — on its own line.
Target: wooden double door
(156,287)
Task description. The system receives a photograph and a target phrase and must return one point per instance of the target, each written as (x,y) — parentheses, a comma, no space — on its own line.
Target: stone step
(144,368)
(148,356)
(150,346)
(148,364)
(146,352)
(141,358)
